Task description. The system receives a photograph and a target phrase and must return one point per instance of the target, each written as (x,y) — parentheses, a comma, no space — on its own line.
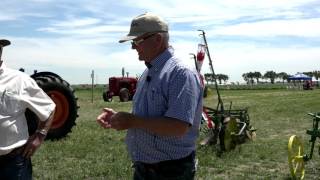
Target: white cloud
(6,18)
(49,54)
(203,10)
(230,59)
(55,52)
(77,23)
(301,27)
(234,59)
(265,4)
(86,33)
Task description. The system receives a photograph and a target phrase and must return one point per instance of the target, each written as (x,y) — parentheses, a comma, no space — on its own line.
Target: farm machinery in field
(226,127)
(63,96)
(296,156)
(124,87)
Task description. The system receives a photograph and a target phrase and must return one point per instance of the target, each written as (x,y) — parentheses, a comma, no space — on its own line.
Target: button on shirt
(17,92)
(166,89)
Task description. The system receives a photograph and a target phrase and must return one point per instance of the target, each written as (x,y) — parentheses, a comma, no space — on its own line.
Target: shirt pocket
(157,104)
(10,103)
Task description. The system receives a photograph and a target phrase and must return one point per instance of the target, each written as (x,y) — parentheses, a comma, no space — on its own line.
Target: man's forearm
(44,126)
(162,126)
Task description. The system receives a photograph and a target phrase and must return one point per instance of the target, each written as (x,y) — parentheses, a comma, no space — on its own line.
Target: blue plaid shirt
(167,89)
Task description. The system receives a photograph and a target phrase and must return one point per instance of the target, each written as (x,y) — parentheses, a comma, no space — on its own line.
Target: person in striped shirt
(163,126)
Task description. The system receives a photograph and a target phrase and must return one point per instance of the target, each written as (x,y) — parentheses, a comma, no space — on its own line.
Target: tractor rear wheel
(66,105)
(124,95)
(106,96)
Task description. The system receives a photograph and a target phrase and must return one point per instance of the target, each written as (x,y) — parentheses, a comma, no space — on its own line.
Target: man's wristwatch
(42,132)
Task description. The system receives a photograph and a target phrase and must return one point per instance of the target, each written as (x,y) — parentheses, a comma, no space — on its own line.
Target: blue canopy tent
(307,81)
(301,77)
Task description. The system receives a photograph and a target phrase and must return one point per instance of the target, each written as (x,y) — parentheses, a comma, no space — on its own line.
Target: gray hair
(165,36)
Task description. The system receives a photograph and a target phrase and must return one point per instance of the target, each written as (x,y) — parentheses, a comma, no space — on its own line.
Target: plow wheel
(208,130)
(230,130)
(251,133)
(209,137)
(66,105)
(295,158)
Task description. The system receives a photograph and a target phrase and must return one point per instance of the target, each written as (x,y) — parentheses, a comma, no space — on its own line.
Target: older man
(164,123)
(17,93)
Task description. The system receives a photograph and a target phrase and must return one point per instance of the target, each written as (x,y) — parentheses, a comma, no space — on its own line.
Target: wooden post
(92,85)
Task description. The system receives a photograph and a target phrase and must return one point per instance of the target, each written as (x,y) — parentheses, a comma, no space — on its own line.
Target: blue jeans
(182,169)
(15,168)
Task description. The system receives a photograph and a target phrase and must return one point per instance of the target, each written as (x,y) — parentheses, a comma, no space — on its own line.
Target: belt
(175,162)
(7,157)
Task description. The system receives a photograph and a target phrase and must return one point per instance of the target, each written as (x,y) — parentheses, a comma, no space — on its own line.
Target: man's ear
(159,38)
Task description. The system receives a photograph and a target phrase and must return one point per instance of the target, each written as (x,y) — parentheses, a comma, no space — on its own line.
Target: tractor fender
(45,73)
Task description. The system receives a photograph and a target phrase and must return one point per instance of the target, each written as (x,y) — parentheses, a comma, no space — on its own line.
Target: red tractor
(124,87)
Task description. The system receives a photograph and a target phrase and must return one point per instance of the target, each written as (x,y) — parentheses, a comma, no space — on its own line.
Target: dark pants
(15,167)
(180,169)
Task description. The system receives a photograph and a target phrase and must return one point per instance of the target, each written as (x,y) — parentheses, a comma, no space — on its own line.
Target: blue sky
(72,38)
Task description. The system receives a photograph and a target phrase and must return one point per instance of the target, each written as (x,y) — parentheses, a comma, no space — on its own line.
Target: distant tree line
(220,77)
(256,77)
(249,77)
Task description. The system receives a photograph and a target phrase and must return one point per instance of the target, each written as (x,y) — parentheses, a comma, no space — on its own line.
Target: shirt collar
(163,57)
(148,65)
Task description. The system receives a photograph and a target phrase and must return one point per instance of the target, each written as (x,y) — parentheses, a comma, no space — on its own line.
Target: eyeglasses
(137,42)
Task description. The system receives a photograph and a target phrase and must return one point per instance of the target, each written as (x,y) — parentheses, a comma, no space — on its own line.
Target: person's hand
(104,118)
(122,121)
(32,145)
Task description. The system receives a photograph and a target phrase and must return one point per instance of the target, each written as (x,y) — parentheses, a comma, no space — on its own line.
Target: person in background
(163,126)
(18,92)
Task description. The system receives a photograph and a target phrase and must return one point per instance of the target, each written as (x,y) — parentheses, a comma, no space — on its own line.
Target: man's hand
(33,144)
(163,126)
(122,121)
(104,118)
(37,138)
(115,120)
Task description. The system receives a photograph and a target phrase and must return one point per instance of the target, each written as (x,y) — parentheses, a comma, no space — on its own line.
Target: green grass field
(91,152)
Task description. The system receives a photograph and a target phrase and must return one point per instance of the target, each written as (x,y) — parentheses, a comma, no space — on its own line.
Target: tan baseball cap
(145,23)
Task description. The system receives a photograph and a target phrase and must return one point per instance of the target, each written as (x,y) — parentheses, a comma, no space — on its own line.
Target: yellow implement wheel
(295,157)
